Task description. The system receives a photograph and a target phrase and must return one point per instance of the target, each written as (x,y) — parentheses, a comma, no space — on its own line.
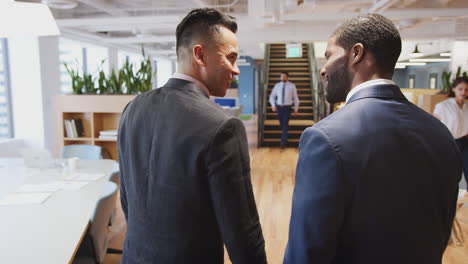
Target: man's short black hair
(201,23)
(285,72)
(377,34)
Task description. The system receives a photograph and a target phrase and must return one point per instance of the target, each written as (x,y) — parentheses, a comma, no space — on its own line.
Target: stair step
(300,107)
(271,84)
(296,140)
(292,69)
(291,74)
(291,122)
(298,89)
(298,114)
(289,64)
(289,59)
(279,132)
(291,79)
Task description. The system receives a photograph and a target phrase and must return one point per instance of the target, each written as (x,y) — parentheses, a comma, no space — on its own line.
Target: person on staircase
(282,97)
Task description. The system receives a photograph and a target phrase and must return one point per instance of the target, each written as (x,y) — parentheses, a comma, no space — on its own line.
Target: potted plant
(77,82)
(447,82)
(235,83)
(128,80)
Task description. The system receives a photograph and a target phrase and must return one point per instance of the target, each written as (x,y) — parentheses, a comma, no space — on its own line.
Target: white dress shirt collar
(366,85)
(189,78)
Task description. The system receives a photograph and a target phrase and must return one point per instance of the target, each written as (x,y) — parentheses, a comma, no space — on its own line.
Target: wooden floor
(273,181)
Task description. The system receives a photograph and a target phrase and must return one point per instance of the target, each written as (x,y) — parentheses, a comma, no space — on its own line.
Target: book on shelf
(73,128)
(79,127)
(67,125)
(112,132)
(108,137)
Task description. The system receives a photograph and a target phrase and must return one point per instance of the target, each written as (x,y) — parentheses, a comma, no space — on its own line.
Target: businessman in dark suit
(186,189)
(376,181)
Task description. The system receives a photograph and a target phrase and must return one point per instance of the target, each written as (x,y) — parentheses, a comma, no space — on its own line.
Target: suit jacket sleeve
(228,166)
(121,144)
(318,201)
(123,197)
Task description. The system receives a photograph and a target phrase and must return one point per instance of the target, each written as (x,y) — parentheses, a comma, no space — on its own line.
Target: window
(6,126)
(96,60)
(85,58)
(164,71)
(134,58)
(71,53)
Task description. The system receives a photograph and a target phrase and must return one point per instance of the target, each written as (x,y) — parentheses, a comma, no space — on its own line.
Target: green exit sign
(293,50)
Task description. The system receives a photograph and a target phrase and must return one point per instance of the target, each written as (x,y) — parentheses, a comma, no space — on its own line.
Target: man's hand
(295,113)
(273,108)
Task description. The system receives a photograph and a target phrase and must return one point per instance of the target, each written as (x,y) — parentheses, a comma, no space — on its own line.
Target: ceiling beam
(406,3)
(124,21)
(163,27)
(141,40)
(382,5)
(94,39)
(392,14)
(104,7)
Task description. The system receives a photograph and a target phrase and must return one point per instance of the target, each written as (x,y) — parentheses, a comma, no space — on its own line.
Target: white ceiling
(128,24)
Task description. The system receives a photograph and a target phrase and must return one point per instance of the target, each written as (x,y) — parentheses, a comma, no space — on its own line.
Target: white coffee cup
(73,164)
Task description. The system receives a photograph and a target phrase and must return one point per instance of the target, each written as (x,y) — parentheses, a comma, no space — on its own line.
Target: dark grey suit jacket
(185,180)
(376,182)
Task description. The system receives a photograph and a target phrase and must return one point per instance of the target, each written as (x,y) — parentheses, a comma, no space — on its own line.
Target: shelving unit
(97,113)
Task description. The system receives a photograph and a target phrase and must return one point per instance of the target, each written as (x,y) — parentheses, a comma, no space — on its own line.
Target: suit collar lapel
(379,91)
(185,85)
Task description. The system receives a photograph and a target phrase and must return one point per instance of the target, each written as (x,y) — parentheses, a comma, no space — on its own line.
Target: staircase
(299,74)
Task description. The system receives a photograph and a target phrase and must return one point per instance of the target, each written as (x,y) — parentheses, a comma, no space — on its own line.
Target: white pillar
(49,65)
(459,56)
(113,57)
(35,80)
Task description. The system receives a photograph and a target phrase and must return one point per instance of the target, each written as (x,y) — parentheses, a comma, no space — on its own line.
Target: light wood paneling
(97,112)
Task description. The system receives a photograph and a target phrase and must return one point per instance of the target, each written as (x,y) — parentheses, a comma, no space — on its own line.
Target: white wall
(459,56)
(50,84)
(164,71)
(35,79)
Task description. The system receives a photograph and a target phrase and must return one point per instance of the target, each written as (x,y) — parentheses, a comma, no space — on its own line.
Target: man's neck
(362,79)
(195,79)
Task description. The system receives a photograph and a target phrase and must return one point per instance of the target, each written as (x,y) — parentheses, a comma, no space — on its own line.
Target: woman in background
(453,112)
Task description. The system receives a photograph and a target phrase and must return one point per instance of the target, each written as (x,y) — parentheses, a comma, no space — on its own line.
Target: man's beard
(338,85)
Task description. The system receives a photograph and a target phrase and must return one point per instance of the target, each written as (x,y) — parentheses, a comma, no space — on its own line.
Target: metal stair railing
(263,91)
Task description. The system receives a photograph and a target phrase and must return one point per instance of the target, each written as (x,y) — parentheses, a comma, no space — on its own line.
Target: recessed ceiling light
(431,60)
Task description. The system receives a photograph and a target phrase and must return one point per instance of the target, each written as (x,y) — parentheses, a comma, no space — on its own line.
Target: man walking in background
(376,181)
(185,166)
(282,97)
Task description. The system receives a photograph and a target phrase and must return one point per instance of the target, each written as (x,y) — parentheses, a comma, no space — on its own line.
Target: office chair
(93,248)
(115,176)
(84,152)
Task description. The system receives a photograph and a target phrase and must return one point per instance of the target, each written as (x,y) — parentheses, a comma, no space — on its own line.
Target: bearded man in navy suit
(376,181)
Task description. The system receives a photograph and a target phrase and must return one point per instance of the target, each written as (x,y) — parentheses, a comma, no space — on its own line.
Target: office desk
(49,232)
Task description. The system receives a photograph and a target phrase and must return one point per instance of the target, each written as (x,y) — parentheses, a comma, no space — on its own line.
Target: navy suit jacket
(185,181)
(376,182)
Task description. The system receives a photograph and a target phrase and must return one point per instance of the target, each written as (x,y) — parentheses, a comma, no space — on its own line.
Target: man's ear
(199,55)
(357,53)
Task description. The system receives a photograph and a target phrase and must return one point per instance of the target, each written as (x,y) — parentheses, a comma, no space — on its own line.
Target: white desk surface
(49,232)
